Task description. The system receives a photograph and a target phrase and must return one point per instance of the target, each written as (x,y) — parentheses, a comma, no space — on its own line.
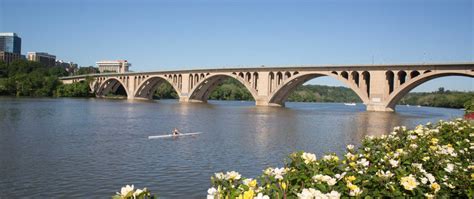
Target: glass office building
(10,42)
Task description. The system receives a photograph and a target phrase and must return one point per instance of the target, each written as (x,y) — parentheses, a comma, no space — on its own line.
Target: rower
(176,132)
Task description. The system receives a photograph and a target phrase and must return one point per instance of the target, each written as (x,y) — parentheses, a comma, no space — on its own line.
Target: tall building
(119,66)
(10,47)
(10,42)
(44,58)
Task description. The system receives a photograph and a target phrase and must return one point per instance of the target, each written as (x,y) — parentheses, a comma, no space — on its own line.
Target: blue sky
(162,35)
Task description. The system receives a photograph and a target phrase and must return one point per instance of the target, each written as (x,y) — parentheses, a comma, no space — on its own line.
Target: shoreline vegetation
(31,79)
(430,161)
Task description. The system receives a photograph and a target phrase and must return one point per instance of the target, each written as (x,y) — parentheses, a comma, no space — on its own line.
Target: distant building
(44,58)
(119,66)
(10,42)
(8,57)
(70,67)
(10,47)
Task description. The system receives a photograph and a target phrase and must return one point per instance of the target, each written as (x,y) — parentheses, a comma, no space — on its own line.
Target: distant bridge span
(379,87)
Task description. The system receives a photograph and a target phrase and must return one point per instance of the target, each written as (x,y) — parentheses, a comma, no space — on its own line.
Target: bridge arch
(148,86)
(417,80)
(110,84)
(201,91)
(281,92)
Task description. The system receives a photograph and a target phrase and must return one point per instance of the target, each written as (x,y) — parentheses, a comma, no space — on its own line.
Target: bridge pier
(265,102)
(186,99)
(378,107)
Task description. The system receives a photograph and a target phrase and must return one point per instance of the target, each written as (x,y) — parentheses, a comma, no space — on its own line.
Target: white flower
(137,193)
(219,176)
(424,180)
(279,173)
(355,192)
(261,196)
(331,181)
(232,175)
(412,137)
(330,158)
(350,147)
(383,174)
(409,182)
(311,194)
(306,194)
(125,190)
(350,156)
(340,176)
(318,178)
(393,162)
(449,168)
(449,185)
(430,177)
(268,171)
(211,193)
(333,195)
(308,157)
(363,162)
(429,196)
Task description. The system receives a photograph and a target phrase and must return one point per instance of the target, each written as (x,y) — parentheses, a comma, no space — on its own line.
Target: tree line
(33,79)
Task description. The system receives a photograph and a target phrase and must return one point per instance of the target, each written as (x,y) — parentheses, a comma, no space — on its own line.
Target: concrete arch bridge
(379,87)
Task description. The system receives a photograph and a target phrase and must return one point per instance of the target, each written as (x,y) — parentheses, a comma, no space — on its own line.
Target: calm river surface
(89,148)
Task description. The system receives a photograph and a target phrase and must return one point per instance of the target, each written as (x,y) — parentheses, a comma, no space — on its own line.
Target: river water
(89,148)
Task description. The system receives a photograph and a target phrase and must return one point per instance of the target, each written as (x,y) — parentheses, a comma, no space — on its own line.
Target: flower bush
(129,192)
(428,161)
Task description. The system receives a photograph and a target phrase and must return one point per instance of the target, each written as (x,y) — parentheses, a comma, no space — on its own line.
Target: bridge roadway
(379,87)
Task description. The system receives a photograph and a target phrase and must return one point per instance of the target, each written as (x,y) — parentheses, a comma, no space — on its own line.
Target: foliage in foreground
(129,192)
(428,161)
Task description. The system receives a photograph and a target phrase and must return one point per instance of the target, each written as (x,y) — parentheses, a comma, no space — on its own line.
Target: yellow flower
(409,182)
(350,178)
(248,194)
(472,176)
(253,183)
(352,164)
(434,141)
(283,185)
(435,186)
(352,186)
(433,148)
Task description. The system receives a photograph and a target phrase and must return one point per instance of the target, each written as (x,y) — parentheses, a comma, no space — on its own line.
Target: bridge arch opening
(112,87)
(296,89)
(158,88)
(418,80)
(225,87)
(390,77)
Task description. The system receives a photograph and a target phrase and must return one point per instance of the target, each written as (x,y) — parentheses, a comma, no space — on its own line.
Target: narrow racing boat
(171,135)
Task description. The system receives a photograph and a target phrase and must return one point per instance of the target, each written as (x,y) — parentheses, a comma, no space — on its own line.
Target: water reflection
(373,124)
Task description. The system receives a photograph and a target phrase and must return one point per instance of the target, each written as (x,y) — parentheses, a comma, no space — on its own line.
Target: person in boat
(176,132)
